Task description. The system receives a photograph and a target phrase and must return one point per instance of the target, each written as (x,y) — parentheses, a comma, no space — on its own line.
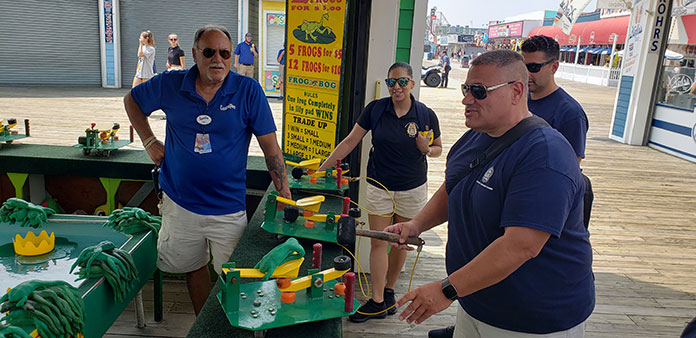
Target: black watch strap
(449,290)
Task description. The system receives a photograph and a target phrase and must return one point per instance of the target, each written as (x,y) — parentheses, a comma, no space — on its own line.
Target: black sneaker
(366,311)
(447,332)
(389,300)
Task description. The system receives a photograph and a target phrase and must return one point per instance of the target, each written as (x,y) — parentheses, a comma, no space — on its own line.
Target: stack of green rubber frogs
(55,308)
(28,214)
(114,264)
(131,220)
(9,331)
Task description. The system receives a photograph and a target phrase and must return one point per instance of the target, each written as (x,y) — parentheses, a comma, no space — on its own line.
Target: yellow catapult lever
(311,203)
(306,281)
(289,269)
(309,164)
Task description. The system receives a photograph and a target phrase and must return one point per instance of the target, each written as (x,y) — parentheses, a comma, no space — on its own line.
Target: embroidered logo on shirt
(228,107)
(412,129)
(487,175)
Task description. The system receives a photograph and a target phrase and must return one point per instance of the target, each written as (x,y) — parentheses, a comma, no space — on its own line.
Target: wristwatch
(449,290)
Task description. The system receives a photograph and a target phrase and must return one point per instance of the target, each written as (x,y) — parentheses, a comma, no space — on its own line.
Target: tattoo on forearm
(276,167)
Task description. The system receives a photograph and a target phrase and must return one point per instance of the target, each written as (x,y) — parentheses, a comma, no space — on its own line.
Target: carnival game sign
(314,55)
(568,12)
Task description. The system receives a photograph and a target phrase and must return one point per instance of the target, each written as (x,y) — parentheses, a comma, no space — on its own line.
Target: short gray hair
(504,58)
(210,28)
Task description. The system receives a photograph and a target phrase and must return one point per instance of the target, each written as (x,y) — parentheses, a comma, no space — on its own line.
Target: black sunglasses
(480,91)
(173,39)
(403,81)
(536,67)
(210,52)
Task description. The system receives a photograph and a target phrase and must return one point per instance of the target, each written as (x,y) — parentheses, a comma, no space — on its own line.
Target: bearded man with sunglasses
(519,260)
(211,115)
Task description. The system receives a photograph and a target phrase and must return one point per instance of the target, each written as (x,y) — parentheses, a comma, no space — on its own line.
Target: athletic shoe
(369,307)
(389,300)
(447,332)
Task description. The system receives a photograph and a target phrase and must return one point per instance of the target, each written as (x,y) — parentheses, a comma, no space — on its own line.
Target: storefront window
(676,87)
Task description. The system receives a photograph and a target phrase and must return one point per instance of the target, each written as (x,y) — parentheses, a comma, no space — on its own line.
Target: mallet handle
(388,236)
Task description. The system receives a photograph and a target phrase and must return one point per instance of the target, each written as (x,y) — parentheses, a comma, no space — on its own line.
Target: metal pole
(577,50)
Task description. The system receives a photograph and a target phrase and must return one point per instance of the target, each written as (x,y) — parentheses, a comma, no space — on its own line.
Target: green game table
(74,233)
(255,243)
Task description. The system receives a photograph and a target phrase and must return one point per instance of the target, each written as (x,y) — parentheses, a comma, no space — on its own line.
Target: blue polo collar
(189,84)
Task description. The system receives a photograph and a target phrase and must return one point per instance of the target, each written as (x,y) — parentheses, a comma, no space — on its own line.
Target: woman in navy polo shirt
(398,162)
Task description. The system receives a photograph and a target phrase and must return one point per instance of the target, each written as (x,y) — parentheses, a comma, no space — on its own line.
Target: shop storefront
(272,24)
(673,127)
(589,52)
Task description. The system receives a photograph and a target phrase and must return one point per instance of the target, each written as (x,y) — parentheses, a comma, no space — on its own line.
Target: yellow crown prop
(33,245)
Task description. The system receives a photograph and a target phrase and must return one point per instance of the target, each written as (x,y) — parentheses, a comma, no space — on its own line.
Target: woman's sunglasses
(480,91)
(536,67)
(173,39)
(210,52)
(403,81)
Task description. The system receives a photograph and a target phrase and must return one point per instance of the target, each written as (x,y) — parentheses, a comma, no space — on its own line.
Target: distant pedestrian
(281,73)
(175,57)
(446,67)
(146,58)
(244,56)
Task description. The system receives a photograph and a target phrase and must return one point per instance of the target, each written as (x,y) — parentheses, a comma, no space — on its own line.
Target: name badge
(202,145)
(204,120)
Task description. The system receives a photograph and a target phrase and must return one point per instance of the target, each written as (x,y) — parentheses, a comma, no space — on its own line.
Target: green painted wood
(271,313)
(323,183)
(123,164)
(405,31)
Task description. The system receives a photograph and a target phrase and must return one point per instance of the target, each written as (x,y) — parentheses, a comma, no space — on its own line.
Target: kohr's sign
(659,28)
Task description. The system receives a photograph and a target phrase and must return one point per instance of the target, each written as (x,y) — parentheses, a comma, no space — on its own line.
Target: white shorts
(185,238)
(470,327)
(408,202)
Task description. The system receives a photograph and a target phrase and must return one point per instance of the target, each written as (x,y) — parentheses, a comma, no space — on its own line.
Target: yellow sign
(313,76)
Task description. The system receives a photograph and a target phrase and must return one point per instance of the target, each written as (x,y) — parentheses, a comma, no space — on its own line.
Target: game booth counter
(74,233)
(64,178)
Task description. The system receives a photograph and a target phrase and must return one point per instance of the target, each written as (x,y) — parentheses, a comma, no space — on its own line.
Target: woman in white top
(146,58)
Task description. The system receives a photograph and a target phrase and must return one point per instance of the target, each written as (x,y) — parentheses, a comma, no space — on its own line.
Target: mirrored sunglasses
(210,52)
(403,81)
(480,91)
(536,67)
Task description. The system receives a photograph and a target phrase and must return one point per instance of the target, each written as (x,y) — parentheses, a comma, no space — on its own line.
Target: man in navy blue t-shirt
(211,115)
(549,101)
(518,257)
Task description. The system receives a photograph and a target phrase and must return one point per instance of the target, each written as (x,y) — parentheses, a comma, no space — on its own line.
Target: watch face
(449,290)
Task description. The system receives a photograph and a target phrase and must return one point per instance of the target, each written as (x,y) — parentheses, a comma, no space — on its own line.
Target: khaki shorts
(408,202)
(246,70)
(469,327)
(186,238)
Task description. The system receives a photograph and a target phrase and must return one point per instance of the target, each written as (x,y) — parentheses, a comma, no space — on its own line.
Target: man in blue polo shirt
(211,115)
(519,259)
(244,56)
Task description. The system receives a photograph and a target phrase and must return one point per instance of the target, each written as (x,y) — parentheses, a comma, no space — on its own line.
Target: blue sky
(479,12)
